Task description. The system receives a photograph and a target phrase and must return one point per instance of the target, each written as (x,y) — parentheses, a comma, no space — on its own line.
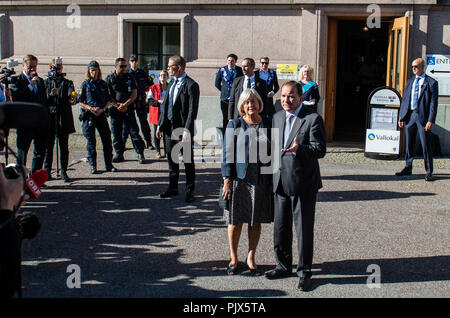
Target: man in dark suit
(296,181)
(249,80)
(29,87)
(271,79)
(179,111)
(417,114)
(224,81)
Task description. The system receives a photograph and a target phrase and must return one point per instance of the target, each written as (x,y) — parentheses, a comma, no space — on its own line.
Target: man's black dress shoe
(277,273)
(141,158)
(111,169)
(429,177)
(189,197)
(405,172)
(168,193)
(304,283)
(65,177)
(118,158)
(49,173)
(94,170)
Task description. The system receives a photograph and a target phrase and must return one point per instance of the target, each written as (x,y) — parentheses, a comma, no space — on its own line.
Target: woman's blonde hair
(306,67)
(245,95)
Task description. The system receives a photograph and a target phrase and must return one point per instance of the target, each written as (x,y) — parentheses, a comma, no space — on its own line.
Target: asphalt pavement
(376,235)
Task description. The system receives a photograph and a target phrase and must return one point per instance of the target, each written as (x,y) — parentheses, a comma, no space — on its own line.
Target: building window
(155,43)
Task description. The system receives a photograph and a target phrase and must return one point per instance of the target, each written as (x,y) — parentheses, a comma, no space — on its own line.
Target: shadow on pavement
(378,178)
(392,271)
(119,237)
(365,195)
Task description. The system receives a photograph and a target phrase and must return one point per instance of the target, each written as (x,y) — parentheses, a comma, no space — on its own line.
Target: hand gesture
(293,148)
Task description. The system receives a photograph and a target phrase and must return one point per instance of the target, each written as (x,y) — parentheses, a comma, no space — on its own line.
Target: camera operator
(5,93)
(29,87)
(143,82)
(59,90)
(10,237)
(6,74)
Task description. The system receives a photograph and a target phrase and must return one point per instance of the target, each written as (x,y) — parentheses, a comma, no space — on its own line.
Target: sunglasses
(122,66)
(264,62)
(415,66)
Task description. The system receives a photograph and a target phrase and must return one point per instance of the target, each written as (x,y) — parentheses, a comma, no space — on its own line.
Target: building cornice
(34,3)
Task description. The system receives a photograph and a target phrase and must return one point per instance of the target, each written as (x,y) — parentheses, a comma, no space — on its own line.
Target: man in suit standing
(417,114)
(296,182)
(179,111)
(224,81)
(29,87)
(249,80)
(271,79)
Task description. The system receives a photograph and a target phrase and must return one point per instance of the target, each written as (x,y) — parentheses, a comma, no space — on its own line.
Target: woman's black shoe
(255,271)
(232,270)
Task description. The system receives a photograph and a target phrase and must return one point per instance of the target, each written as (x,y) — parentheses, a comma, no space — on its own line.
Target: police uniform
(143,82)
(61,122)
(95,94)
(121,88)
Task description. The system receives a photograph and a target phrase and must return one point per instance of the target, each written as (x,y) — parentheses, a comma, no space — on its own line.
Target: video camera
(8,70)
(53,73)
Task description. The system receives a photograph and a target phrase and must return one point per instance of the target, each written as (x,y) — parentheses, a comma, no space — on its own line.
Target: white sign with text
(382,141)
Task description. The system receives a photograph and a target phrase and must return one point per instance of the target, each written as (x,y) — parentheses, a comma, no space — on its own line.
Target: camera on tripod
(8,70)
(53,73)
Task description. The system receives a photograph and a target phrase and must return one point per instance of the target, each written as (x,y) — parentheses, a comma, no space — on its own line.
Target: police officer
(122,88)
(94,100)
(59,90)
(143,82)
(29,87)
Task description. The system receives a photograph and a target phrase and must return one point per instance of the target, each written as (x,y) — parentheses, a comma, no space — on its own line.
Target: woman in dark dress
(247,184)
(311,95)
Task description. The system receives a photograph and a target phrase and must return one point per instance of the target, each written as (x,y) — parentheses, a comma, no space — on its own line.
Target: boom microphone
(23,115)
(34,183)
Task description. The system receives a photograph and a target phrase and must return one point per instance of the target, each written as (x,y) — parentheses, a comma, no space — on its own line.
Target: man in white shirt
(417,114)
(249,80)
(179,111)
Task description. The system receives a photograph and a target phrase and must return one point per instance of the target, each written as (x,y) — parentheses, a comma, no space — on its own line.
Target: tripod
(57,118)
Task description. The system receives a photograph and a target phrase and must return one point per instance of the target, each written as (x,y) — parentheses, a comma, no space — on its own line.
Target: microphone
(34,183)
(23,115)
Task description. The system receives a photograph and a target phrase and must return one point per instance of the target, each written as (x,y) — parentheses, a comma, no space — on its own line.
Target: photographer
(59,90)
(29,87)
(5,93)
(10,237)
(94,101)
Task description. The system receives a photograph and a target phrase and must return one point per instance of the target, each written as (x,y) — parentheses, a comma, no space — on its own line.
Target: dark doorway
(361,67)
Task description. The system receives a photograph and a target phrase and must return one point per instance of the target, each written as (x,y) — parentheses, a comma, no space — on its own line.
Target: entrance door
(359,60)
(361,66)
(398,54)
